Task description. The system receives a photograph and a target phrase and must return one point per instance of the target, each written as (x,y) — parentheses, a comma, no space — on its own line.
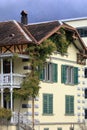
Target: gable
(72,52)
(63,38)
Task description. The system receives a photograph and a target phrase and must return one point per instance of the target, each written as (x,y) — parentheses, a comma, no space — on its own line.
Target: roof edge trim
(22,31)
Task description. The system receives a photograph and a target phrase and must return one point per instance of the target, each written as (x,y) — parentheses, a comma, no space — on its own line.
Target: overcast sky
(42,10)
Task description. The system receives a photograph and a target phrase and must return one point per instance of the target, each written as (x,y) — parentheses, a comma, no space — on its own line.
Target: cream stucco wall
(19,66)
(60,90)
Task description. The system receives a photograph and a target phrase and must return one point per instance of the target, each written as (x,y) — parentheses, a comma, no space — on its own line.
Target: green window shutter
(72,104)
(46,128)
(50,104)
(47,103)
(54,72)
(69,104)
(63,73)
(75,75)
(59,129)
(42,74)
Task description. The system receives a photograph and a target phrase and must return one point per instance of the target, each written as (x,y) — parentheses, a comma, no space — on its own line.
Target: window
(85,93)
(49,72)
(85,72)
(82,31)
(69,105)
(59,129)
(26,105)
(47,103)
(71,128)
(46,128)
(85,113)
(69,74)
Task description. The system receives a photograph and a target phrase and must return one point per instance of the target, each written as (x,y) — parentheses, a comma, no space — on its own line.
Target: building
(60,104)
(81,25)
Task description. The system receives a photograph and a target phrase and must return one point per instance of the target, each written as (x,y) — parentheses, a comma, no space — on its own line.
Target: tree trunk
(19,114)
(33,113)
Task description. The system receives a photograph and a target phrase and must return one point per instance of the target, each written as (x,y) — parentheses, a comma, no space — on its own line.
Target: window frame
(85,72)
(65,74)
(82,31)
(49,72)
(70,75)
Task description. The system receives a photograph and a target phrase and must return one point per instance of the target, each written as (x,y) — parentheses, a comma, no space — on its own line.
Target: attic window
(12,35)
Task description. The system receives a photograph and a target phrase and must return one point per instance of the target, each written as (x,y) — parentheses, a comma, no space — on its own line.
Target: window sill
(71,84)
(69,114)
(47,81)
(47,114)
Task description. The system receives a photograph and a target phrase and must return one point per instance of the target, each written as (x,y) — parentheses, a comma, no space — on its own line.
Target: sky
(42,10)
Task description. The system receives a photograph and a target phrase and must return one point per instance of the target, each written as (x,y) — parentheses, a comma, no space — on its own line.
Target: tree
(30,85)
(38,55)
(5,116)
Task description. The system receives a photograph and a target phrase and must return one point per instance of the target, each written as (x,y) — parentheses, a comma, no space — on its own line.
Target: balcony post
(1,71)
(11,70)
(2,97)
(11,96)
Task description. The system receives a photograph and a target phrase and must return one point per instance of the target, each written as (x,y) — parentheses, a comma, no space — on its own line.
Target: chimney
(24,18)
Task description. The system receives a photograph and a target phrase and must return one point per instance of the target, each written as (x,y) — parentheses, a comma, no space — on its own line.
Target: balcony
(9,79)
(23,119)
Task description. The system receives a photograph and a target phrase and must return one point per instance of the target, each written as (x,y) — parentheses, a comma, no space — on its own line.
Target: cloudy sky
(42,10)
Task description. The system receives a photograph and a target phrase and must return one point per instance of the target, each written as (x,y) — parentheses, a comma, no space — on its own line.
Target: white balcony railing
(23,118)
(11,79)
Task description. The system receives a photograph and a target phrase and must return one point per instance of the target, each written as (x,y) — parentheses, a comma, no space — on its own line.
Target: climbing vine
(38,55)
(62,39)
(30,85)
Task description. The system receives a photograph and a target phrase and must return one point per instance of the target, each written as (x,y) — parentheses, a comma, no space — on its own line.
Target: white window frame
(70,75)
(48,72)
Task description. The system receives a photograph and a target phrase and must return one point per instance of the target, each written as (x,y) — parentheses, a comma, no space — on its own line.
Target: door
(6,66)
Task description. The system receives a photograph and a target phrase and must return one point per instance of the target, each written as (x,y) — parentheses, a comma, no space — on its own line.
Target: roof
(12,33)
(41,30)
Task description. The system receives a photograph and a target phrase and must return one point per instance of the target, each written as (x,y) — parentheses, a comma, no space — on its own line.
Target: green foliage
(62,39)
(31,85)
(7,94)
(38,55)
(5,113)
